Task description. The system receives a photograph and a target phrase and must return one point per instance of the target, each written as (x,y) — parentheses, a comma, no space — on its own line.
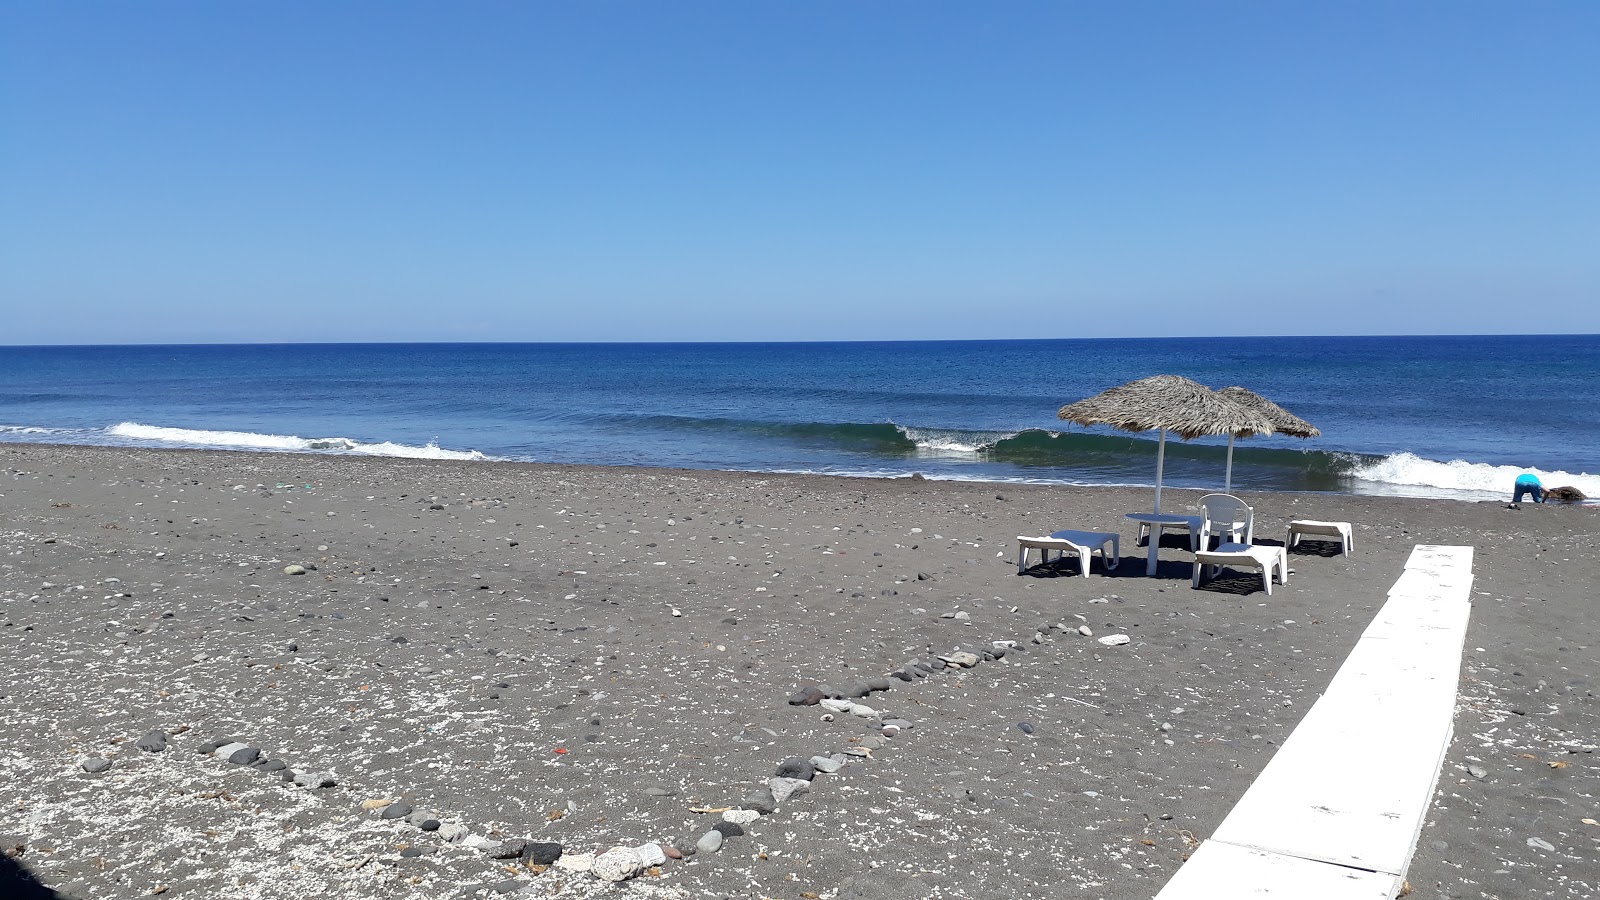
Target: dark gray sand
(585,657)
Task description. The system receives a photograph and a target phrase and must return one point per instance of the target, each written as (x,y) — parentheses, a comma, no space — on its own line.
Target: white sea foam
(1410,470)
(32,429)
(249,440)
(953,442)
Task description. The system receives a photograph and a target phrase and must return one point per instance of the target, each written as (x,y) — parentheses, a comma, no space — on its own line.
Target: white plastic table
(1157,521)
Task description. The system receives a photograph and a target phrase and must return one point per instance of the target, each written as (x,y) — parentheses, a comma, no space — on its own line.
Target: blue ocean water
(1424,416)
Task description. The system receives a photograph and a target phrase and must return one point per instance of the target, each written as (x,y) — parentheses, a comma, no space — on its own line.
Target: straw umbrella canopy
(1167,403)
(1283,422)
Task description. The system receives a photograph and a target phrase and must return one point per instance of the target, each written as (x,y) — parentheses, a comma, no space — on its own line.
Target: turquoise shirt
(1528,478)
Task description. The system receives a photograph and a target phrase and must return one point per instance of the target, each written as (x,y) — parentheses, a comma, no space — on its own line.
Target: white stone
(575,862)
(650,855)
(741,816)
(617,864)
(1115,640)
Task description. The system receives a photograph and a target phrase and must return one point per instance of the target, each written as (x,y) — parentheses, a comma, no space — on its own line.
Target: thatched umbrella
(1283,422)
(1167,403)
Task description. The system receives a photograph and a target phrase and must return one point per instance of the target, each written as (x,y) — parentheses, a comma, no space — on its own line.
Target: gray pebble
(396,811)
(710,842)
(154,742)
(94,765)
(1026,728)
(1541,844)
(795,767)
(1477,771)
(660,792)
(244,756)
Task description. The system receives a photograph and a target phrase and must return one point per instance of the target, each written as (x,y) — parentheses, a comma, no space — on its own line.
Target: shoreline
(1394,491)
(462,623)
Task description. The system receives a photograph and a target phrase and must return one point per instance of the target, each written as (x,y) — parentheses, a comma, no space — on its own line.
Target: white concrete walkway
(1337,811)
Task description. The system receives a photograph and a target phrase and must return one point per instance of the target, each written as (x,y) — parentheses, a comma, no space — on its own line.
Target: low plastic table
(1158,523)
(1322,531)
(1083,543)
(1250,556)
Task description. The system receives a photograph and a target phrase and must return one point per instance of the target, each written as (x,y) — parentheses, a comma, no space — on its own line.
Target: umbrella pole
(1161,459)
(1227,485)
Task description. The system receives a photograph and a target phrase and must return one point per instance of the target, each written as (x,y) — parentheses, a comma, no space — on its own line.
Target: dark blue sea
(1419,416)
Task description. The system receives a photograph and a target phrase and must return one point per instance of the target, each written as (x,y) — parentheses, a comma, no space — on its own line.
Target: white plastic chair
(1226,518)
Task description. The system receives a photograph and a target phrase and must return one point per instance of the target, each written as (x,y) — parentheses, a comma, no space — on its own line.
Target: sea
(1443,417)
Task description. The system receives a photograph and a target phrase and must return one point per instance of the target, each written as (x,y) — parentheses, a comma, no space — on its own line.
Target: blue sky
(195,171)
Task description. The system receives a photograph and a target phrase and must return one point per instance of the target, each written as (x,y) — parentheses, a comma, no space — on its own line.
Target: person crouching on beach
(1528,483)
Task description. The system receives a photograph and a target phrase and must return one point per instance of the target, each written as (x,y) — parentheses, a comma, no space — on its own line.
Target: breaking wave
(249,440)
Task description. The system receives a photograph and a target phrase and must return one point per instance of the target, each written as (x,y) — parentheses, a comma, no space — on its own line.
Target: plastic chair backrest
(1225,514)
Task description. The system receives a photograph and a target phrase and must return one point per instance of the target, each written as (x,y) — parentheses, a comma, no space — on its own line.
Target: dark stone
(1026,728)
(244,756)
(728,829)
(541,854)
(806,696)
(211,746)
(998,652)
(287,774)
(511,849)
(274,765)
(796,767)
(430,824)
(856,690)
(761,801)
(411,851)
(396,811)
(880,683)
(154,742)
(94,765)
(902,675)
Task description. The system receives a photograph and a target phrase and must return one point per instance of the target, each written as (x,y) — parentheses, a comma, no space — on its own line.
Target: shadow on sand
(17,883)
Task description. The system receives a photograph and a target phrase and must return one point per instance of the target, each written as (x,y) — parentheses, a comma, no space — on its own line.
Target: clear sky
(374,171)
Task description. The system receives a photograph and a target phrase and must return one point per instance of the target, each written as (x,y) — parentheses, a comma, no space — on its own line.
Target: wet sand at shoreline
(582,656)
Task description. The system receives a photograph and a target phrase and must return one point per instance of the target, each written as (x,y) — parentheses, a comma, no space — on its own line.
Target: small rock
(430,825)
(671,851)
(542,853)
(510,885)
(825,765)
(575,862)
(862,710)
(1115,640)
(94,765)
(784,788)
(961,658)
(763,801)
(650,855)
(1540,844)
(728,829)
(1477,771)
(1086,631)
(294,570)
(1025,727)
(806,696)
(900,723)
(452,834)
(836,705)
(396,811)
(370,805)
(710,842)
(795,767)
(244,756)
(315,780)
(226,750)
(660,792)
(154,742)
(418,817)
(741,816)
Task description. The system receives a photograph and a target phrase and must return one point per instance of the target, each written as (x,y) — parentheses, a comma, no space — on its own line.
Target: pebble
(397,811)
(616,864)
(862,710)
(660,792)
(315,780)
(506,887)
(1540,844)
(223,751)
(479,842)
(961,658)
(784,788)
(418,817)
(1086,631)
(809,695)
(1026,728)
(762,801)
(453,834)
(795,767)
(825,765)
(154,742)
(575,862)
(741,816)
(837,705)
(710,842)
(1477,771)
(430,825)
(294,570)
(94,765)
(543,853)
(728,829)
(1115,640)
(370,805)
(671,851)
(244,756)
(900,723)
(650,855)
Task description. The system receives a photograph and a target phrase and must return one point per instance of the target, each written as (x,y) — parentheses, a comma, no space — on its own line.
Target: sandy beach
(593,657)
